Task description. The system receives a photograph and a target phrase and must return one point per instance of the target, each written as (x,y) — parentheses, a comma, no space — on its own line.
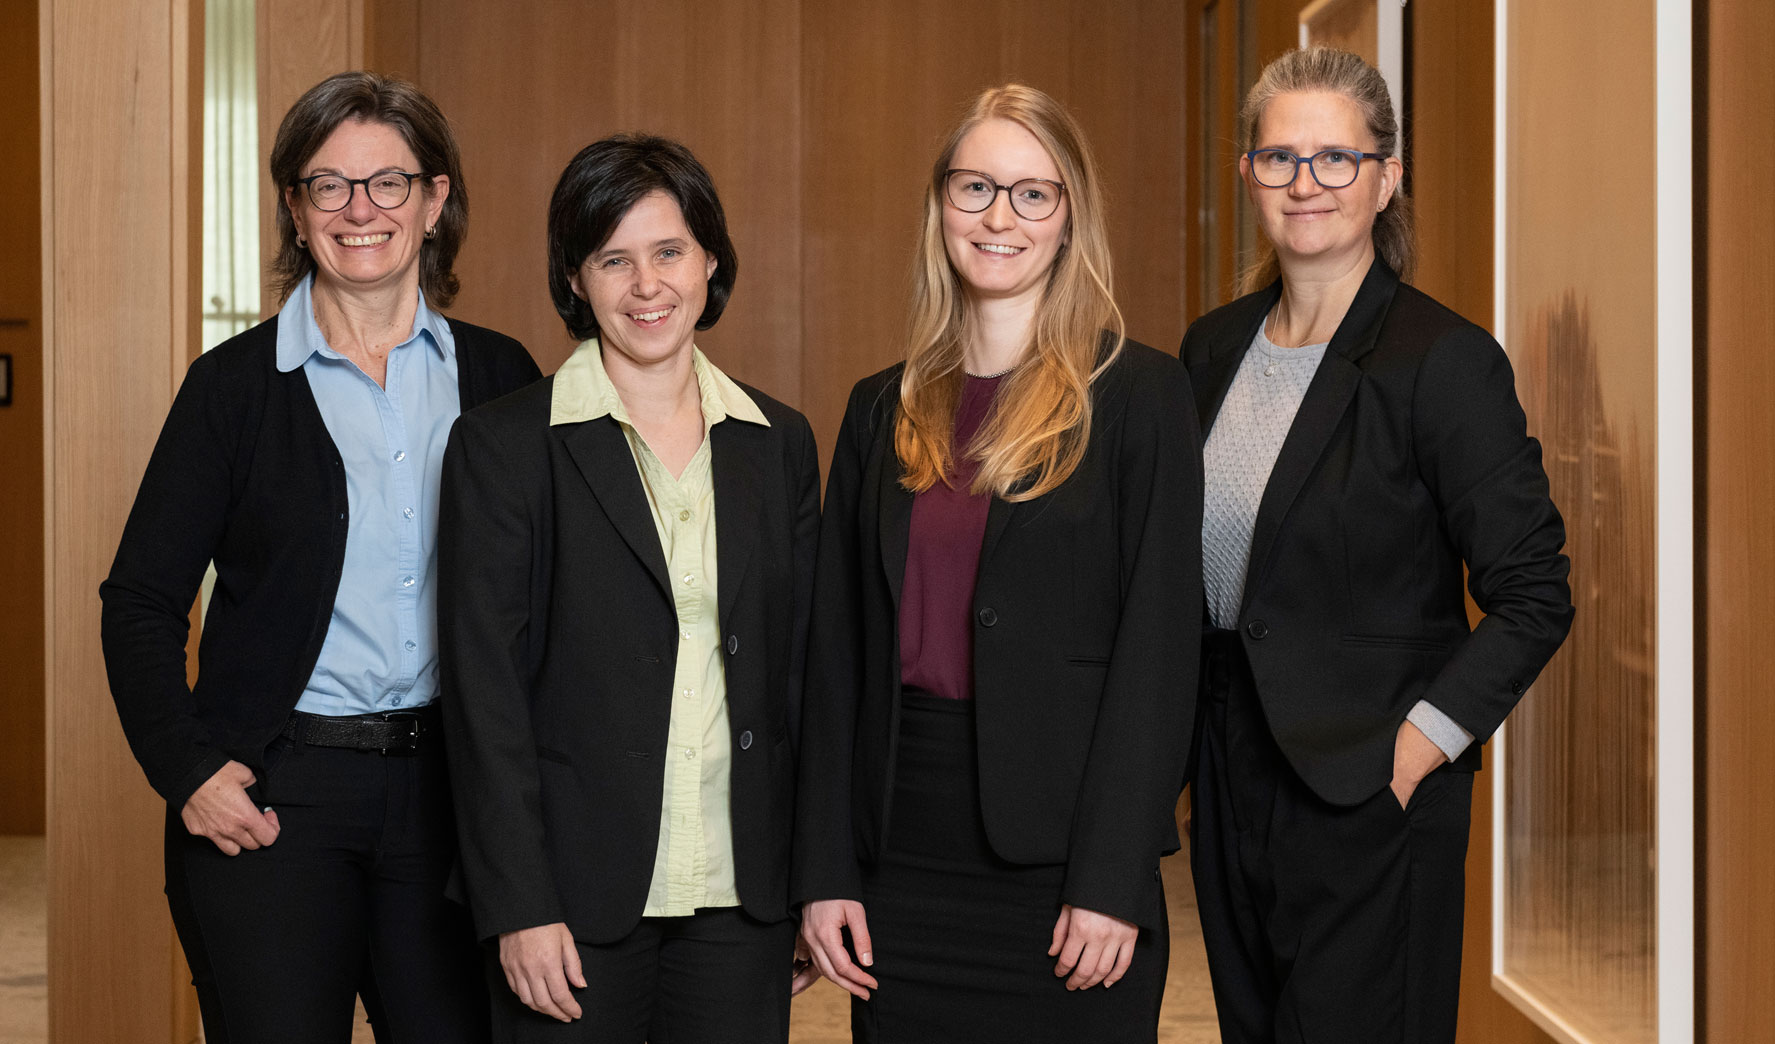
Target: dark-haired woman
(1002,666)
(1363,443)
(309,830)
(627,564)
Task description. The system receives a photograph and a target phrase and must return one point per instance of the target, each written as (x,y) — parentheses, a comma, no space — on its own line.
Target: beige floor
(821,1016)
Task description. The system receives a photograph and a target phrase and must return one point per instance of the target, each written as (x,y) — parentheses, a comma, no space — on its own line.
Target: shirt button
(396,700)
(689,692)
(407,581)
(408,513)
(689,579)
(684,636)
(684,516)
(400,455)
(690,755)
(412,645)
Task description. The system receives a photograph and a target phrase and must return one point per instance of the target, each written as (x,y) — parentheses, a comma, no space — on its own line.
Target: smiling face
(647,284)
(997,252)
(1304,221)
(364,247)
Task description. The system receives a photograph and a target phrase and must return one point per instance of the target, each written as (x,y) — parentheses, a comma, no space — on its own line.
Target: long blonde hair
(1329,69)
(1036,434)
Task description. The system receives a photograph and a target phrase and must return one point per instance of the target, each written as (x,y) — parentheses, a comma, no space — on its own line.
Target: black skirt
(960,936)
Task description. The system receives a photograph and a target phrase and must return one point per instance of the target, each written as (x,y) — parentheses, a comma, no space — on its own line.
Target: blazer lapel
(1323,406)
(733,445)
(895,514)
(603,457)
(1213,380)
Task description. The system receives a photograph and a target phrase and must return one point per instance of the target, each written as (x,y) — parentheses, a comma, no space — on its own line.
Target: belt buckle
(412,719)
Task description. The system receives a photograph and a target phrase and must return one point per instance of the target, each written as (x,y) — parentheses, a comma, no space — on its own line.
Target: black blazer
(1409,456)
(1087,614)
(246,474)
(559,639)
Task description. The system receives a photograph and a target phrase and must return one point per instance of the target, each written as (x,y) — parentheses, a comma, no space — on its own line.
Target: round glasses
(1332,168)
(330,192)
(973,191)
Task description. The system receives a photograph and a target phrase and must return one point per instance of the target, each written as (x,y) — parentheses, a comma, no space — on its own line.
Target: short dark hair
(371,98)
(595,192)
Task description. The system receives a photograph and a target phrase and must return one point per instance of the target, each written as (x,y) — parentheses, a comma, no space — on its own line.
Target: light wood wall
(121,175)
(21,432)
(1736,302)
(819,123)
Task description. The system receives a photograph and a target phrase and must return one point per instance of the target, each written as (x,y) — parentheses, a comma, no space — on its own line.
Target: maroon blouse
(942,560)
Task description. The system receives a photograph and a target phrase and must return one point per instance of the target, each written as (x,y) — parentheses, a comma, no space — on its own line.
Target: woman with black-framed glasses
(309,826)
(1363,445)
(1002,663)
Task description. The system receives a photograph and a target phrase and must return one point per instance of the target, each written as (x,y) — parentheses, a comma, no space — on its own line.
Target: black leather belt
(393,732)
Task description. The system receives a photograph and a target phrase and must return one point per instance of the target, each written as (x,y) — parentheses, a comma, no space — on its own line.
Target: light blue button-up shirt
(381,650)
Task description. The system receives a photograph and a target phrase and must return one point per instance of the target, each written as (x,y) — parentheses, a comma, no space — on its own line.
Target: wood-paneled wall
(819,123)
(21,432)
(121,171)
(1736,298)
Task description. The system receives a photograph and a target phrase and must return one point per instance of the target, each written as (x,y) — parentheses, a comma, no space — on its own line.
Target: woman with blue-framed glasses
(1363,445)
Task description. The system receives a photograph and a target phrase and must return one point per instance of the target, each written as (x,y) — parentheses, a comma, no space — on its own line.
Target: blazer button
(987,617)
(746,740)
(1258,629)
(733,644)
(1516,688)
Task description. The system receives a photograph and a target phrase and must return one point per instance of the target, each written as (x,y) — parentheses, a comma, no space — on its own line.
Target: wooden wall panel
(21,432)
(525,94)
(883,84)
(1737,387)
(119,170)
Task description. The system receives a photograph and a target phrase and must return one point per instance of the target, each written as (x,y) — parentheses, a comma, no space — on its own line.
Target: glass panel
(1579,903)
(230,171)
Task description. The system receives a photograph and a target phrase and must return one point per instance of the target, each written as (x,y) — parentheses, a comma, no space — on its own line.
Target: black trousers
(348,901)
(1323,924)
(718,976)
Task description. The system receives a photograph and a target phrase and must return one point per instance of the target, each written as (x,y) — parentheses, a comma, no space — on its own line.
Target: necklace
(991,376)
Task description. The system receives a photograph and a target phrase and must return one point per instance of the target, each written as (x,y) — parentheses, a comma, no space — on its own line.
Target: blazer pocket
(1088,661)
(554,755)
(1396,642)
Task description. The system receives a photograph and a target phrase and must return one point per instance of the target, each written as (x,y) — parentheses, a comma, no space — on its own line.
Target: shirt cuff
(1443,730)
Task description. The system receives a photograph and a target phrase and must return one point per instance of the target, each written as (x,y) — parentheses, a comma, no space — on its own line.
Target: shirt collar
(583,391)
(299,336)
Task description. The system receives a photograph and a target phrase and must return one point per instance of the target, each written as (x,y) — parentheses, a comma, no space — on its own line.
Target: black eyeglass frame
(1251,158)
(351,185)
(950,174)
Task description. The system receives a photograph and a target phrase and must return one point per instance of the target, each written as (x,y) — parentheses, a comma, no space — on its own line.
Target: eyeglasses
(972,191)
(330,192)
(1332,168)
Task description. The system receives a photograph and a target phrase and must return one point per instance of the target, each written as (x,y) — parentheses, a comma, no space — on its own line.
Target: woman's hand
(1414,757)
(539,963)
(221,811)
(803,972)
(1092,947)
(822,922)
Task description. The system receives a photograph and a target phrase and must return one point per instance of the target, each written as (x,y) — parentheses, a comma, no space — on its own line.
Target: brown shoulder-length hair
(371,98)
(1329,69)
(1041,419)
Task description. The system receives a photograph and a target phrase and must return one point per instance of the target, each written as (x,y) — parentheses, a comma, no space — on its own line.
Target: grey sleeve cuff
(1443,730)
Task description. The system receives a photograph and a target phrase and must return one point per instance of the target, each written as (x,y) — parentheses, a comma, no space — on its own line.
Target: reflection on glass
(1579,840)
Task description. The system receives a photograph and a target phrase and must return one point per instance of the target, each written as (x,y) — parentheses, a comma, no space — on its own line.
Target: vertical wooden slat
(120,311)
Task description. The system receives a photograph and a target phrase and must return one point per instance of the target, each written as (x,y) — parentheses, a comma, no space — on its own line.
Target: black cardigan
(244,474)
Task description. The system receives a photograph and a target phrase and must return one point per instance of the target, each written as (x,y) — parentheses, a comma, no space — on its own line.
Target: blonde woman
(1001,678)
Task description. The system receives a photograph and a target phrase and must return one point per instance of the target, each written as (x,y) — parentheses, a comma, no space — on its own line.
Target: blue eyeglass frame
(1251,158)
